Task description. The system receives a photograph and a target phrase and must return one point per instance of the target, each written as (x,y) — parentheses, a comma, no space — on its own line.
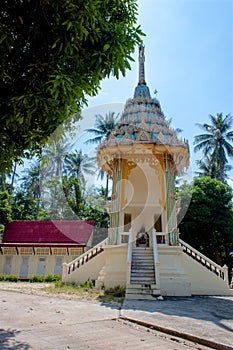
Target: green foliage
(216,145)
(36,279)
(113,295)
(73,192)
(2,278)
(90,284)
(47,278)
(104,125)
(9,278)
(117,291)
(5,209)
(207,225)
(24,206)
(52,54)
(58,284)
(52,278)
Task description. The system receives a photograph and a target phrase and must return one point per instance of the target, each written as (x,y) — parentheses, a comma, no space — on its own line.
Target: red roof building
(48,233)
(41,247)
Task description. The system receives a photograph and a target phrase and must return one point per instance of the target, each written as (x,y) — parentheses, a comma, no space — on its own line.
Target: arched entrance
(142,239)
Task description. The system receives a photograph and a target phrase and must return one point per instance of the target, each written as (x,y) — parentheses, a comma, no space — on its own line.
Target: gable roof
(66,232)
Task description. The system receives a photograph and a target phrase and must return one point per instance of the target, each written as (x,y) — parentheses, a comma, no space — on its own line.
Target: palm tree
(216,143)
(33,181)
(78,164)
(54,155)
(104,126)
(208,168)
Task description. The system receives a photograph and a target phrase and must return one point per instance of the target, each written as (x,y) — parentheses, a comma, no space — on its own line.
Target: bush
(9,278)
(90,284)
(36,279)
(12,278)
(47,278)
(117,291)
(2,278)
(59,284)
(52,278)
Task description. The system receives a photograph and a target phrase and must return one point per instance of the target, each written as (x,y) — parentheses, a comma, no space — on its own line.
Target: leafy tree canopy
(5,209)
(207,225)
(53,53)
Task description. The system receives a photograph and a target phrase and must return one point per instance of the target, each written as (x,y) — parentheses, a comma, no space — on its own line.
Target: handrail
(85,257)
(155,247)
(130,247)
(156,257)
(203,260)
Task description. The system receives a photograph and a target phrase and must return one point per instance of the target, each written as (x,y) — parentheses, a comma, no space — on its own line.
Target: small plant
(114,295)
(2,278)
(52,278)
(117,291)
(9,278)
(59,284)
(36,279)
(47,278)
(90,284)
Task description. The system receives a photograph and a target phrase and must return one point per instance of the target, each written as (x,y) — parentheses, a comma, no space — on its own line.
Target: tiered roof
(142,120)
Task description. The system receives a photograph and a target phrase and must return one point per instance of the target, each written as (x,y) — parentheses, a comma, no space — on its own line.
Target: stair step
(142,258)
(142,267)
(140,296)
(142,290)
(145,281)
(142,280)
(142,271)
(142,276)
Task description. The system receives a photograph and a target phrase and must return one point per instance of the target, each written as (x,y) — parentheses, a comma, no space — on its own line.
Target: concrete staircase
(142,278)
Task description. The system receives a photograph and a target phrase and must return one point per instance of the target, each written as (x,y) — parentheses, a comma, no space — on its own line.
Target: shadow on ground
(212,309)
(8,340)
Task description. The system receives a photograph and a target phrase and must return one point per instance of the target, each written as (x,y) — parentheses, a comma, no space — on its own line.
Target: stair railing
(85,257)
(156,256)
(222,272)
(129,257)
(130,247)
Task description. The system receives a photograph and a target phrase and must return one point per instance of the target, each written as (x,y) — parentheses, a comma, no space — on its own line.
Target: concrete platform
(208,318)
(44,322)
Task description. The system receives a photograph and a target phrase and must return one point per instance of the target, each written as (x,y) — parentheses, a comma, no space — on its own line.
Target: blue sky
(189,60)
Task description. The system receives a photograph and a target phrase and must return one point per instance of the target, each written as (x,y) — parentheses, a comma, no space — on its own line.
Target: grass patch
(115,294)
(87,291)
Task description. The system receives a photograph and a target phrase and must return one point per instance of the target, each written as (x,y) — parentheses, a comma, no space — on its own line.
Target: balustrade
(84,258)
(203,260)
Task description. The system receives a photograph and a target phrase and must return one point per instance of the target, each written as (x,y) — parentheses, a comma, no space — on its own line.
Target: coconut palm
(216,143)
(54,156)
(104,126)
(79,164)
(208,168)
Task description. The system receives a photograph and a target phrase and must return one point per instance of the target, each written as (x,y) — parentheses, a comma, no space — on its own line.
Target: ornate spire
(141,59)
(141,90)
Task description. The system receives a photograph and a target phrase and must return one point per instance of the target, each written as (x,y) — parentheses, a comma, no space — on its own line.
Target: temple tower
(143,156)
